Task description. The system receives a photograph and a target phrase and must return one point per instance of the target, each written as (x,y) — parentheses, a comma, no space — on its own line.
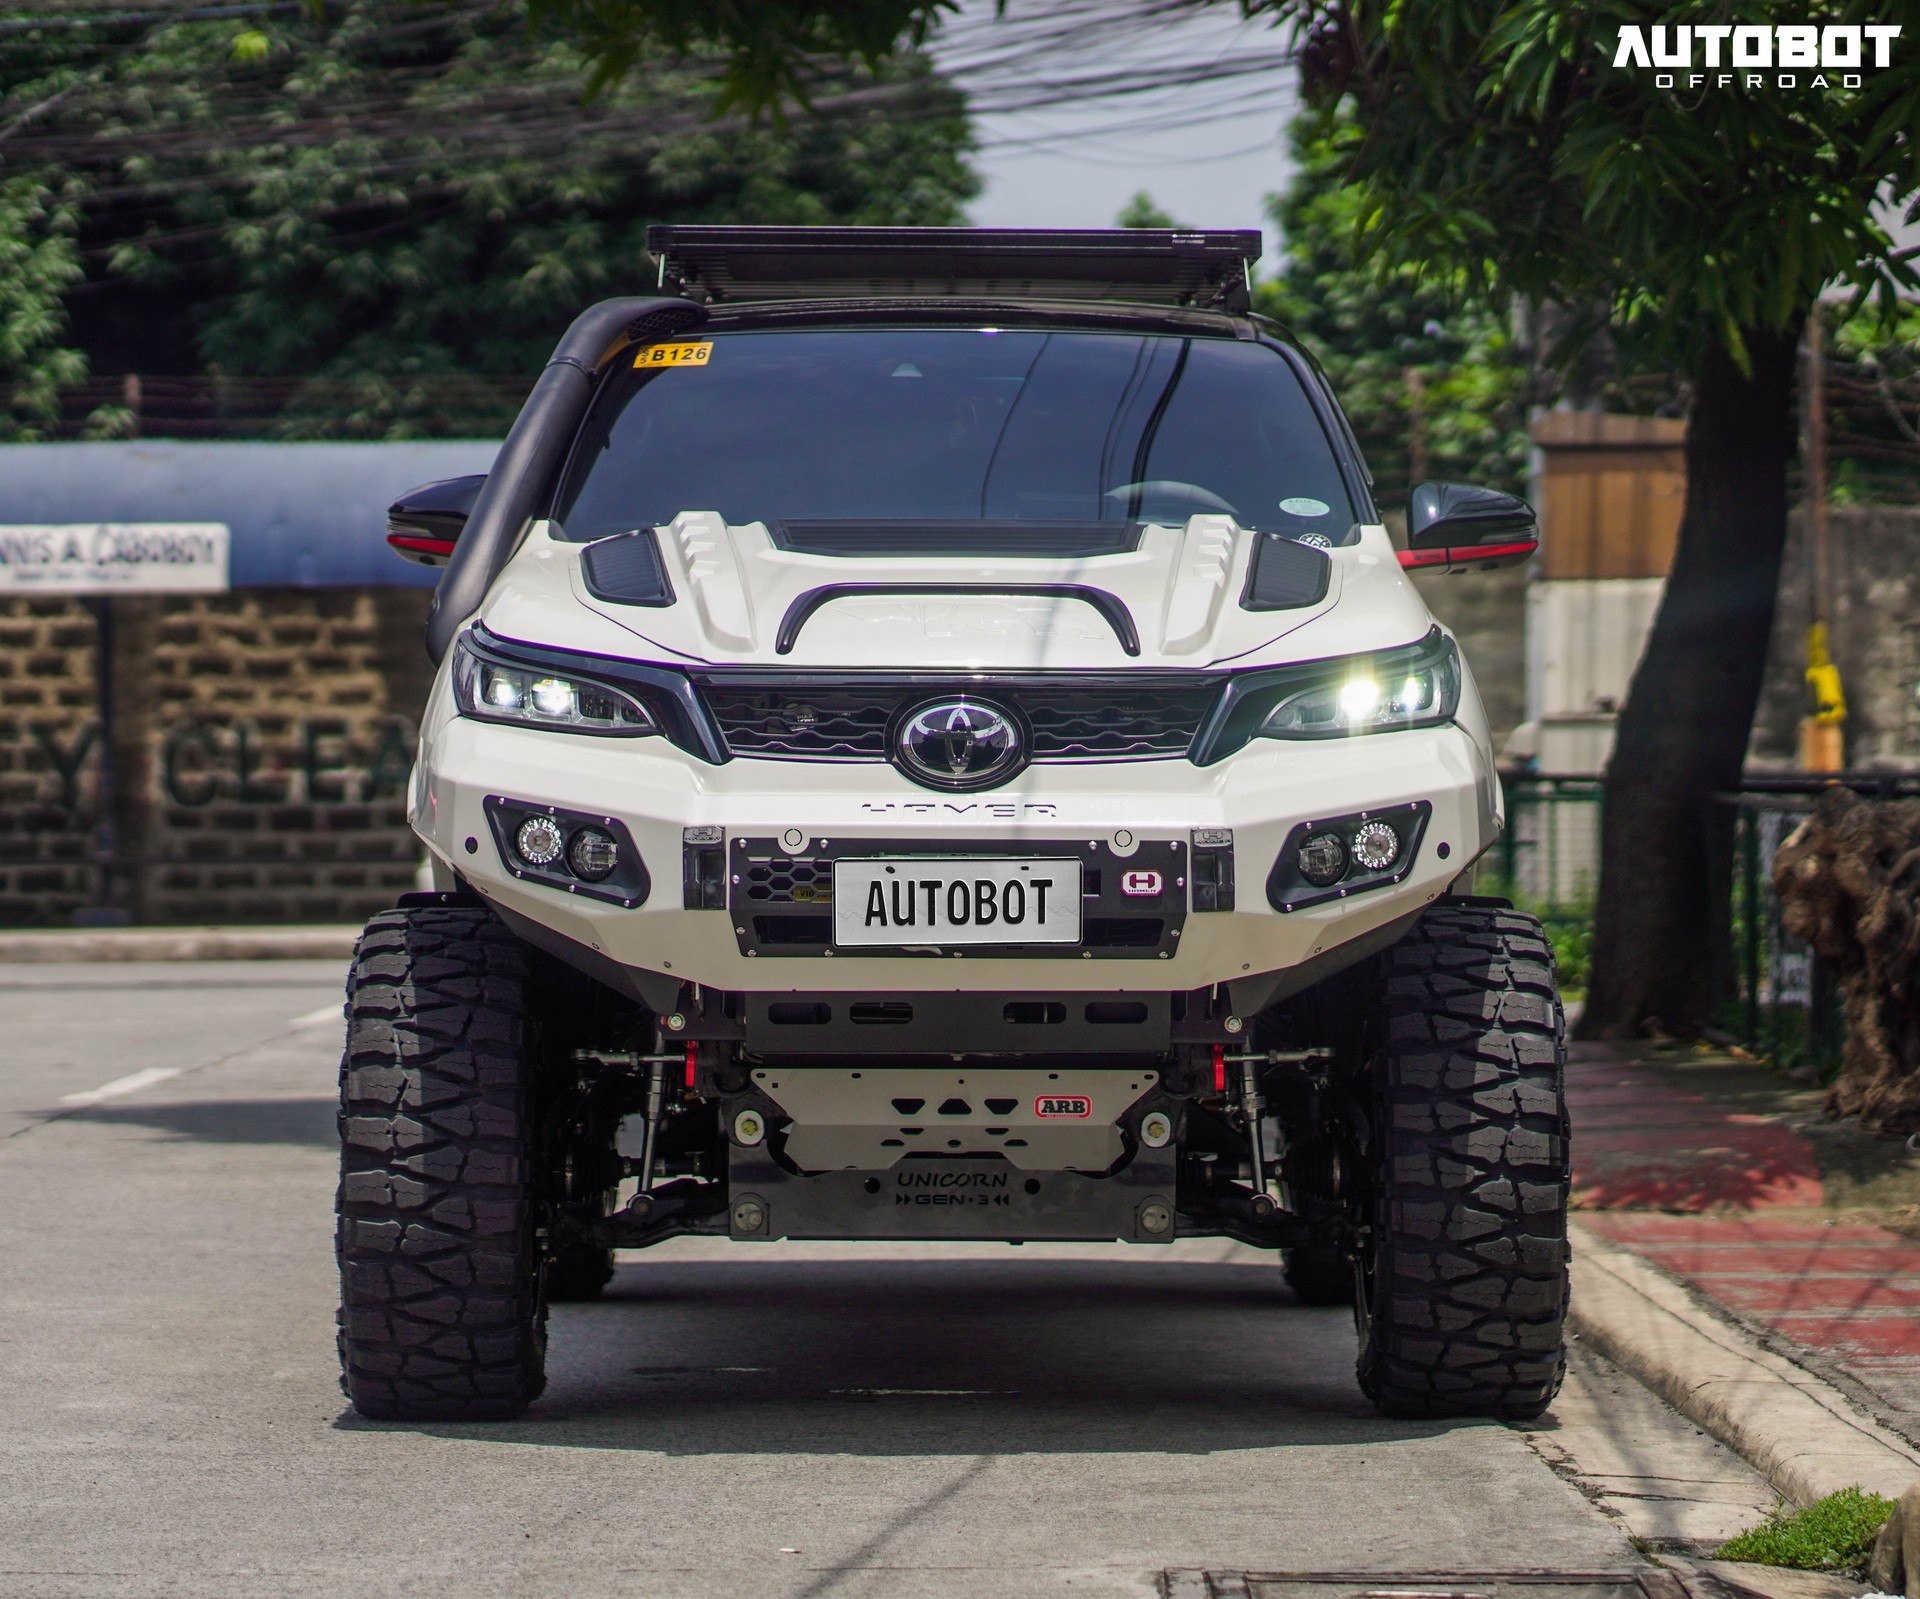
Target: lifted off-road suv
(933,741)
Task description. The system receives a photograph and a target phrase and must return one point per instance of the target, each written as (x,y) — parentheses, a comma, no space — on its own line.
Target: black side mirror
(1459,527)
(423,523)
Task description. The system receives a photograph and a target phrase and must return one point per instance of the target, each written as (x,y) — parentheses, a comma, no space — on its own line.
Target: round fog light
(1376,846)
(593,854)
(539,841)
(1323,859)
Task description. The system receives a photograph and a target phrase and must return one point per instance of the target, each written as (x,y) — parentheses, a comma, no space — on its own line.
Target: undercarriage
(1397,1132)
(1210,1136)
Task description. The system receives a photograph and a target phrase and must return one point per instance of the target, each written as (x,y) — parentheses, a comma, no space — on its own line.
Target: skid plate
(870,1119)
(930,1198)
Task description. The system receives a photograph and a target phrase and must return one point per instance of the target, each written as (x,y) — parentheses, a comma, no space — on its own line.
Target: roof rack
(1155,266)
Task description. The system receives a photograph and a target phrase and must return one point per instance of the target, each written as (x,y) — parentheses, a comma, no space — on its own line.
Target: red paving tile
(1640,1144)
(1643,1150)
(1784,1260)
(1764,1295)
(1854,1336)
(1631,1227)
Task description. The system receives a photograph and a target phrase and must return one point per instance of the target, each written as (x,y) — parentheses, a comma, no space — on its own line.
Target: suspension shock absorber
(655,1069)
(1254,1108)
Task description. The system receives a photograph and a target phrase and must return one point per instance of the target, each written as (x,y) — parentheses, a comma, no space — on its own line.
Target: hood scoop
(863,594)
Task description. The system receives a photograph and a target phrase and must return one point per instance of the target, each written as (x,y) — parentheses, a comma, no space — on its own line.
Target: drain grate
(1427,1585)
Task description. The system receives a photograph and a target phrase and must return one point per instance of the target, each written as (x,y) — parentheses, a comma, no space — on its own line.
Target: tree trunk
(1683,732)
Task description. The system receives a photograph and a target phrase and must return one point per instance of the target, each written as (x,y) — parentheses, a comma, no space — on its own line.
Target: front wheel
(442,1317)
(1463,1289)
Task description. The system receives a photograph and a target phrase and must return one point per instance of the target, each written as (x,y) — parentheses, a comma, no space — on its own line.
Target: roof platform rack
(1153,266)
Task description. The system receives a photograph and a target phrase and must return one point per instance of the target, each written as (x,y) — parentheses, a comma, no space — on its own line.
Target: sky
(1208,150)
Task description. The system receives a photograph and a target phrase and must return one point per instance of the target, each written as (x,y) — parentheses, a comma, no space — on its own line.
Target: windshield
(949,425)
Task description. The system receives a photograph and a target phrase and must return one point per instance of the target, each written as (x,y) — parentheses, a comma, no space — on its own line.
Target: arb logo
(1063,1105)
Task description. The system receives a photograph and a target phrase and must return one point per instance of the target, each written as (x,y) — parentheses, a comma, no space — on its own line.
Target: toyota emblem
(959,744)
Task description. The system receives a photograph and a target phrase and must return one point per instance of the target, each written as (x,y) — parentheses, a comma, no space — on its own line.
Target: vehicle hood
(1178,593)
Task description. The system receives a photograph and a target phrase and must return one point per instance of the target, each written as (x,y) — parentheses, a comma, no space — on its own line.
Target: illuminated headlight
(498,692)
(1373,694)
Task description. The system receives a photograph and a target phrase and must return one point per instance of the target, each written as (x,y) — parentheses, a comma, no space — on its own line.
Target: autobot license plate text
(946,902)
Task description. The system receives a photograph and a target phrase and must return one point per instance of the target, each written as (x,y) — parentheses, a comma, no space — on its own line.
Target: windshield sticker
(1305,507)
(674,355)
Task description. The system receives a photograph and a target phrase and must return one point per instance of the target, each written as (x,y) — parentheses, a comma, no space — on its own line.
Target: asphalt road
(784,1421)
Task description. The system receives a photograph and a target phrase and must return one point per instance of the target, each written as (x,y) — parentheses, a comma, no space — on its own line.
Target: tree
(370,215)
(1390,337)
(1142,212)
(770,48)
(1501,150)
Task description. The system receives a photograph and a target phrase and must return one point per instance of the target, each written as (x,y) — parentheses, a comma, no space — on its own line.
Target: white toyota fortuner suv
(933,741)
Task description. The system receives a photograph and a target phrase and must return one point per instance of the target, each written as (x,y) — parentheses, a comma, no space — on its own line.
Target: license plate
(947,902)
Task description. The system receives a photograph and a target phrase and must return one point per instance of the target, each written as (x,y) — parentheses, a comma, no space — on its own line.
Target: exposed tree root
(1849,884)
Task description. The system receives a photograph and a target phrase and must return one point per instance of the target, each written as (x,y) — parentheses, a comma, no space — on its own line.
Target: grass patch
(1833,1534)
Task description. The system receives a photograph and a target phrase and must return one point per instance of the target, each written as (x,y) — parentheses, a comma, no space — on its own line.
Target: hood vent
(627,570)
(1285,576)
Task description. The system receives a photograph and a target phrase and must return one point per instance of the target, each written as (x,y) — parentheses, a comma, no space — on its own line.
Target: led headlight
(495,691)
(1377,693)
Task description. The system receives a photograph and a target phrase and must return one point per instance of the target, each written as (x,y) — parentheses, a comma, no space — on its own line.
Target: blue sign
(302,515)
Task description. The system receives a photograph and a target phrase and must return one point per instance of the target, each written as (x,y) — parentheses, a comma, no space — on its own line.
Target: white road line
(313,1018)
(132,1083)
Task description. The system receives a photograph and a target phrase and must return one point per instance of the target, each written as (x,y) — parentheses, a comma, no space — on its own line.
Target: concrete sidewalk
(1693,1167)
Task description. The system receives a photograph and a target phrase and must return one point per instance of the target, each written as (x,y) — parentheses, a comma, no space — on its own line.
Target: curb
(1796,1431)
(97,944)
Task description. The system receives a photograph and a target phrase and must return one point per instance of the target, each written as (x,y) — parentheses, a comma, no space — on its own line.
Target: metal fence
(1549,856)
(1774,995)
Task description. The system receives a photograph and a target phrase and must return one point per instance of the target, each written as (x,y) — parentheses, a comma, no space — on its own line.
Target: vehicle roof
(1144,266)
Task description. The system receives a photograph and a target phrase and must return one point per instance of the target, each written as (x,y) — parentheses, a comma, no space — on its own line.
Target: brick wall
(46,759)
(261,744)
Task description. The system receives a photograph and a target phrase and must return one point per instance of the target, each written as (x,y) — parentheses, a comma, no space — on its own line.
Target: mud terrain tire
(442,1315)
(1464,1286)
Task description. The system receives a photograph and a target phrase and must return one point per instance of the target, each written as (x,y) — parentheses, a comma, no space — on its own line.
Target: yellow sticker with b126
(674,355)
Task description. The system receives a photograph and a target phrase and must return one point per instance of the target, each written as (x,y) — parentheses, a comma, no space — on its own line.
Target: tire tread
(441,1313)
(1470,1248)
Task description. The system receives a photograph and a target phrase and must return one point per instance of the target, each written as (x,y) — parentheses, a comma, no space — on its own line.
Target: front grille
(789,882)
(847,721)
